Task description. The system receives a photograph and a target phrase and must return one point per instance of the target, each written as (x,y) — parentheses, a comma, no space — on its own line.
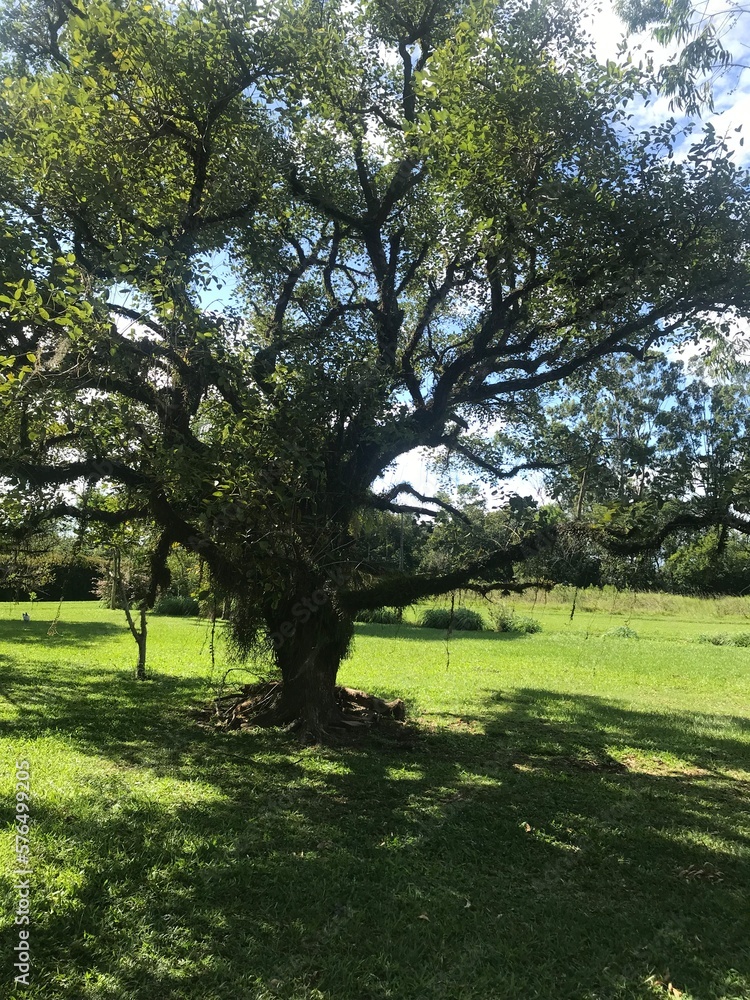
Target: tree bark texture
(309,648)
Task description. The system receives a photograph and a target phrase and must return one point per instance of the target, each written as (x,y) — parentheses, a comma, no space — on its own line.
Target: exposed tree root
(262,704)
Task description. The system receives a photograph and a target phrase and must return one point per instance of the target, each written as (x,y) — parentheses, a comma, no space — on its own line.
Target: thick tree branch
(382,500)
(489,572)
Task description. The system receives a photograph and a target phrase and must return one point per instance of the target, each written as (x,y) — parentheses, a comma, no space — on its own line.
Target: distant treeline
(76,582)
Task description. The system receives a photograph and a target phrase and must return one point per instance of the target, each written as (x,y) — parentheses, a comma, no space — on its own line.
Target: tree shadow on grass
(37,632)
(572,849)
(103,707)
(557,725)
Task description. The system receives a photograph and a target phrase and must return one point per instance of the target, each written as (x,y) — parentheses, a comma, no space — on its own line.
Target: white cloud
(731,87)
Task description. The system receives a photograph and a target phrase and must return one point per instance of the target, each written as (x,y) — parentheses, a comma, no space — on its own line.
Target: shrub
(717,639)
(465,620)
(462,619)
(621,632)
(509,621)
(436,618)
(176,607)
(724,639)
(527,625)
(378,616)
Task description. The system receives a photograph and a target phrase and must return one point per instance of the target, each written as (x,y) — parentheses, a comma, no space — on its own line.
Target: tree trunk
(140,638)
(114,594)
(310,643)
(140,635)
(721,543)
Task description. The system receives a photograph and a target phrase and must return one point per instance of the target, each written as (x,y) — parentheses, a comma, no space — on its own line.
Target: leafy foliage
(698,40)
(177,607)
(456,620)
(378,616)
(621,632)
(508,620)
(725,639)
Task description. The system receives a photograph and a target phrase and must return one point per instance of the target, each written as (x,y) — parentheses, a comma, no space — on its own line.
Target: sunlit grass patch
(568,820)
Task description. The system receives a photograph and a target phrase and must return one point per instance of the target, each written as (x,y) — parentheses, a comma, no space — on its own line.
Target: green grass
(593,612)
(551,829)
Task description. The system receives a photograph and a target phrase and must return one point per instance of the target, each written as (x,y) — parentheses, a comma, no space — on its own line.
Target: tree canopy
(426,211)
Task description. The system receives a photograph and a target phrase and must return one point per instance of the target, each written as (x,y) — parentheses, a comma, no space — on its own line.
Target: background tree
(430,210)
(644,452)
(602,441)
(698,39)
(716,562)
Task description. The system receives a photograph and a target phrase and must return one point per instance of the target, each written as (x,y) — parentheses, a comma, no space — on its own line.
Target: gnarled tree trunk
(311,638)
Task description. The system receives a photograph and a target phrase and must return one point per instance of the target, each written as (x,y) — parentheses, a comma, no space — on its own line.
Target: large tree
(428,209)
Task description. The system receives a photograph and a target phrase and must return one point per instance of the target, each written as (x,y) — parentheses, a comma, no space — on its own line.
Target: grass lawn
(570,819)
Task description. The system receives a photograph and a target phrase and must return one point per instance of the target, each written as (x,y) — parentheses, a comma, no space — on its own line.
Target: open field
(593,612)
(570,818)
